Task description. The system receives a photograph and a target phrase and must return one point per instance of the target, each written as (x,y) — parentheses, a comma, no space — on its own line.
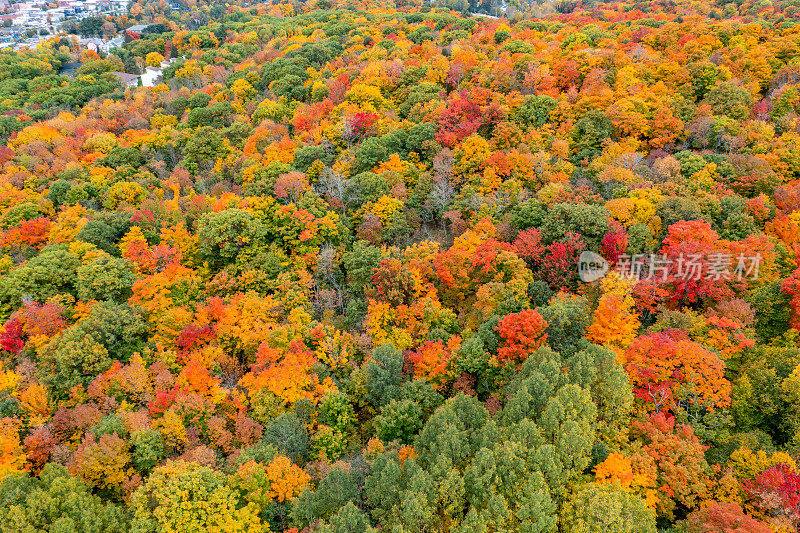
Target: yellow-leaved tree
(615,321)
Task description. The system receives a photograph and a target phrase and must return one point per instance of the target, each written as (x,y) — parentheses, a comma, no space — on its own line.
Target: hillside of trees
(326,277)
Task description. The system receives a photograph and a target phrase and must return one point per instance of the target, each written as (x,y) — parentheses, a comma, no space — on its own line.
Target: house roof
(126,78)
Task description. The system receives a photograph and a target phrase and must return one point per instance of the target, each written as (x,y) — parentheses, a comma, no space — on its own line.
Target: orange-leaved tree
(670,372)
(522,334)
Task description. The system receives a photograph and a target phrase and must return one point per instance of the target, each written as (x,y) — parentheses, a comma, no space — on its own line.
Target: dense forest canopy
(326,276)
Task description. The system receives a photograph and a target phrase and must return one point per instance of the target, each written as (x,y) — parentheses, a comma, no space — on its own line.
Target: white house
(151,76)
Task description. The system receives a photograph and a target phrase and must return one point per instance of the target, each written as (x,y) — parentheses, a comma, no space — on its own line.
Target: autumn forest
(441,267)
